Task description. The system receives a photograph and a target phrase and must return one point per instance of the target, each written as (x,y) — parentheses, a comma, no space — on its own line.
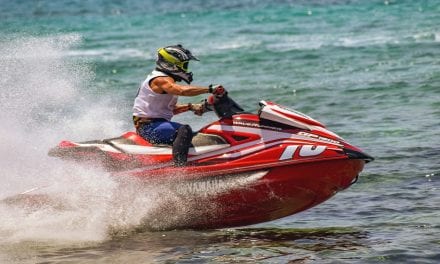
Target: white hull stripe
(146,150)
(268,135)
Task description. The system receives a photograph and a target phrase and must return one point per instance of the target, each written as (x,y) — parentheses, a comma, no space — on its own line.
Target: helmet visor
(183,65)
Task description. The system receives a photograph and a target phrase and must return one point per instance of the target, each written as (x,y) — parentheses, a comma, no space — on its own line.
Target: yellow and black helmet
(174,61)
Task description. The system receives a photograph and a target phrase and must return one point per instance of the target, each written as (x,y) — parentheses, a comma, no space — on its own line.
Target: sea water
(369,70)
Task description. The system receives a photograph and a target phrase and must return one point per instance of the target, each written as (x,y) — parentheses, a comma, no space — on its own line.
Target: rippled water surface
(369,70)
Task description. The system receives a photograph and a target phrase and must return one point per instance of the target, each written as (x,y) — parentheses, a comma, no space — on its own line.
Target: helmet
(174,60)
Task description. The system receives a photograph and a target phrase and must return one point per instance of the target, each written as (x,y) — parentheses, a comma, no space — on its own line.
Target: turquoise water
(369,70)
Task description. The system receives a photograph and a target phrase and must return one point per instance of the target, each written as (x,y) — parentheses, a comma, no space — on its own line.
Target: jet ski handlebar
(222,104)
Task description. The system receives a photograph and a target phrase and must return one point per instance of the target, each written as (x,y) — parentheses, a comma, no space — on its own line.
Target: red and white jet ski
(275,163)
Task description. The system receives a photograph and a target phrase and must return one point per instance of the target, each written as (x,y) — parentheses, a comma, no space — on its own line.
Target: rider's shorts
(156,130)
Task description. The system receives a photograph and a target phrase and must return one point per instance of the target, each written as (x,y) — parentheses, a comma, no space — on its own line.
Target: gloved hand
(217,90)
(198,109)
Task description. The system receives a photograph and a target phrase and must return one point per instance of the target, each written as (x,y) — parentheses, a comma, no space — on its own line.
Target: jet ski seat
(201,139)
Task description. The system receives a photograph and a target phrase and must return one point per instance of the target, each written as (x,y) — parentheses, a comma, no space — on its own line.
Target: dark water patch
(412,153)
(400,256)
(224,246)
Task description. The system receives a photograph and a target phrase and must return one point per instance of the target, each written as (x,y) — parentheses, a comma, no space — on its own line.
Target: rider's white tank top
(151,104)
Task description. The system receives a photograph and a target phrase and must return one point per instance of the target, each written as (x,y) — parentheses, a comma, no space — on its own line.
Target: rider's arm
(180,108)
(168,85)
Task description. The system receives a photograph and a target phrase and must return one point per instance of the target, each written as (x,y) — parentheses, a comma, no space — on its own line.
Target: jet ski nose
(355,154)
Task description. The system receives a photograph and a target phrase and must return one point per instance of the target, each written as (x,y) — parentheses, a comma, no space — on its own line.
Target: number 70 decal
(304,151)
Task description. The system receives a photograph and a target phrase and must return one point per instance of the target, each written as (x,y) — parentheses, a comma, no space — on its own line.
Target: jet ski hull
(243,169)
(252,197)
(285,191)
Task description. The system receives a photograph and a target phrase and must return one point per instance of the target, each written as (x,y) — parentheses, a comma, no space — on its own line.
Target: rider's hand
(198,109)
(217,90)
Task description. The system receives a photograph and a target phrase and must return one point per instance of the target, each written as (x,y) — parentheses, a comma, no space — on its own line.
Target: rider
(156,102)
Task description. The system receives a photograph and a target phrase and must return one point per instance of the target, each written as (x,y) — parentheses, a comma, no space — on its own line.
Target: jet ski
(245,168)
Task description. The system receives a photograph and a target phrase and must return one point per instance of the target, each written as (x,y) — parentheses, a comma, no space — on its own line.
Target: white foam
(111,54)
(237,43)
(317,41)
(43,101)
